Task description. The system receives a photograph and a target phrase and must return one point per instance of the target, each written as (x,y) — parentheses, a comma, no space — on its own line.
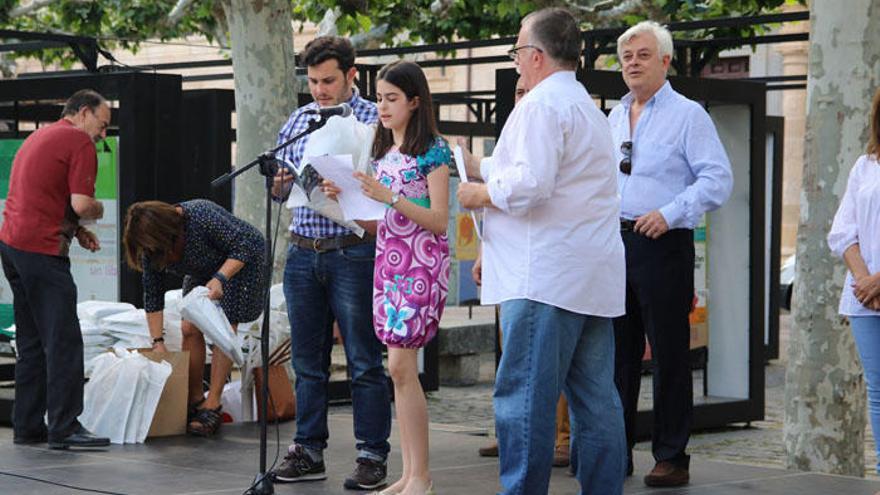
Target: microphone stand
(262,484)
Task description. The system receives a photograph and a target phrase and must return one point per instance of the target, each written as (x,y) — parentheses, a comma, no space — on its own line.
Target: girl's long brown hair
(152,229)
(421,129)
(874,141)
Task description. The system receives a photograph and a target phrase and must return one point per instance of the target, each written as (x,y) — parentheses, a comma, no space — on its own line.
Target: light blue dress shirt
(679,165)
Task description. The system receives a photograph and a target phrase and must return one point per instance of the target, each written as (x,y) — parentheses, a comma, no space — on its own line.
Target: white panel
(728,260)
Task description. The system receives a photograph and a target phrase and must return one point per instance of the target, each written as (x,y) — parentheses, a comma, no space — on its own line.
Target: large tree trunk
(824,391)
(261,32)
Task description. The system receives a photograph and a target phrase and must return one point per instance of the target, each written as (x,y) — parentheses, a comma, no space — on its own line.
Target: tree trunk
(263,64)
(824,389)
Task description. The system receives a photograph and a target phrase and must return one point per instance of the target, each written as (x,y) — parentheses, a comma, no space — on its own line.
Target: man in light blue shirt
(672,168)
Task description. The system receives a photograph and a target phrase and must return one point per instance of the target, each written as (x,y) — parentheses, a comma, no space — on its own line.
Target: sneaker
(298,466)
(368,474)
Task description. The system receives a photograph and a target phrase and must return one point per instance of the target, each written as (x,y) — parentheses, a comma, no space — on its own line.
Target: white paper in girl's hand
(462,173)
(355,206)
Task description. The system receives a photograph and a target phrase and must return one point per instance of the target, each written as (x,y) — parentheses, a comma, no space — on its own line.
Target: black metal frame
(776,127)
(691,56)
(608,86)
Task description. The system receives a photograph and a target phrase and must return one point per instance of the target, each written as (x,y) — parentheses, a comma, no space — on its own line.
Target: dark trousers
(659,294)
(49,365)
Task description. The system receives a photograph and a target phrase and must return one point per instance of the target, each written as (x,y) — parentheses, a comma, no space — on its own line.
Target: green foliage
(127,22)
(117,23)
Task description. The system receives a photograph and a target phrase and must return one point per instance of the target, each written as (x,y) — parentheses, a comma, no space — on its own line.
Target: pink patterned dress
(412,264)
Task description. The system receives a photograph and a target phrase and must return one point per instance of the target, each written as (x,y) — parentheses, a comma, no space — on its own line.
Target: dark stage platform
(225,466)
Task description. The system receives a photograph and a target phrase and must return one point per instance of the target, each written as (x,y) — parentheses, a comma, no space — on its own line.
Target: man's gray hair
(660,33)
(556,32)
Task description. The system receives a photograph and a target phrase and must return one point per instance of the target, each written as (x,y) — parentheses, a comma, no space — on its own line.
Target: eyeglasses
(512,53)
(626,148)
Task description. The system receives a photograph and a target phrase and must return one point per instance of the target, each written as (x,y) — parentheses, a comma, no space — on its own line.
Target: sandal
(205,423)
(193,409)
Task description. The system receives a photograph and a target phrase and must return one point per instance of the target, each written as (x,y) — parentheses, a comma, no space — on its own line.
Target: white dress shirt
(858,221)
(679,165)
(554,233)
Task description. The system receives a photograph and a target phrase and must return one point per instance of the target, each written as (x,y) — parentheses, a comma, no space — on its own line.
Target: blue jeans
(321,287)
(866,332)
(548,350)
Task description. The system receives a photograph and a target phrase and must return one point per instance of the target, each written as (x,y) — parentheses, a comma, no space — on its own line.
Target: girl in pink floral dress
(412,254)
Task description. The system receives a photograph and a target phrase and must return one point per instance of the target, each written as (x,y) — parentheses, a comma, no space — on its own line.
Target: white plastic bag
(109,396)
(149,389)
(339,136)
(95,311)
(211,320)
(121,397)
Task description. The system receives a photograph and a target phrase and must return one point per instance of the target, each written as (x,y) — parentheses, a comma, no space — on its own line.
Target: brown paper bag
(170,416)
(280,393)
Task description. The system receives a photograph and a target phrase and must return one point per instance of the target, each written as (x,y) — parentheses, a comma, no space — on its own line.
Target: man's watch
(395,197)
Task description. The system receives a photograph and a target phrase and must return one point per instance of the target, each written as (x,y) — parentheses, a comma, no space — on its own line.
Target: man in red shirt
(52,188)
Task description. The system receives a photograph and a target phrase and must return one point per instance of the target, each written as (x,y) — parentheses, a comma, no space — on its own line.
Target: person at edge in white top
(672,169)
(855,236)
(553,259)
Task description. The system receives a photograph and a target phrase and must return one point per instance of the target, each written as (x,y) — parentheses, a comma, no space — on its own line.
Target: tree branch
(32,7)
(178,11)
(327,26)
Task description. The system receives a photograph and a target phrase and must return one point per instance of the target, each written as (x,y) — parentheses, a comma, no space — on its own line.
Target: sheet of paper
(355,206)
(462,173)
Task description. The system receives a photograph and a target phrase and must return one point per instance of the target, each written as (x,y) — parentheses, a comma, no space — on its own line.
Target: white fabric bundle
(121,397)
(211,320)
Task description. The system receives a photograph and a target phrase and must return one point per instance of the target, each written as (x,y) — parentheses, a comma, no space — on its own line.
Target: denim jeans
(321,287)
(866,332)
(548,350)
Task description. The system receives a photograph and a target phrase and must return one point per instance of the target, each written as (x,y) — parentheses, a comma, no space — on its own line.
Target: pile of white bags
(120,399)
(106,324)
(207,315)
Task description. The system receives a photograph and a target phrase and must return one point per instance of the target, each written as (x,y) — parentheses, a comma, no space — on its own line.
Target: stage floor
(227,464)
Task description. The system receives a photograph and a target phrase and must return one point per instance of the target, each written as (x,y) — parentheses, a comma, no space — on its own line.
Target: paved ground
(469,409)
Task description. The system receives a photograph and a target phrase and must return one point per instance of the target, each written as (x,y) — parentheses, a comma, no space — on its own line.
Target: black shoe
(368,475)
(79,438)
(298,466)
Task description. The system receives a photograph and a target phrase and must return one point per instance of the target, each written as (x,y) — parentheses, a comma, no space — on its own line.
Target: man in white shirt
(672,170)
(553,259)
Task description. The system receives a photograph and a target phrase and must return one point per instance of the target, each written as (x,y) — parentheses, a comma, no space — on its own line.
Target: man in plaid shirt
(329,276)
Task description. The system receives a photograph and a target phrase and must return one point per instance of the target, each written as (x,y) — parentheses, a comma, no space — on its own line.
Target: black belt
(322,244)
(627,225)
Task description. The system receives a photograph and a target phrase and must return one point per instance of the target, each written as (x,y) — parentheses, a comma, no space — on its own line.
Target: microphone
(342,110)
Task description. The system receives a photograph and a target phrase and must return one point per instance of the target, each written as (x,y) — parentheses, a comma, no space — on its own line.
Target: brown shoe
(560,457)
(490,450)
(667,474)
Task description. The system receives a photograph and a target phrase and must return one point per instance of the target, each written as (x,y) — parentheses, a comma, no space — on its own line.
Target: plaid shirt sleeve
(306,222)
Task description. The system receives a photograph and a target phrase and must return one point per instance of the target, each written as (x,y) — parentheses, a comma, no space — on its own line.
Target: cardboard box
(170,416)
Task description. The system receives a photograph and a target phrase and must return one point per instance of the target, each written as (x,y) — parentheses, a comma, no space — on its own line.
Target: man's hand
(281,182)
(373,189)
(330,189)
(473,196)
(87,239)
(160,348)
(651,225)
(477,270)
(867,289)
(471,163)
(215,289)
